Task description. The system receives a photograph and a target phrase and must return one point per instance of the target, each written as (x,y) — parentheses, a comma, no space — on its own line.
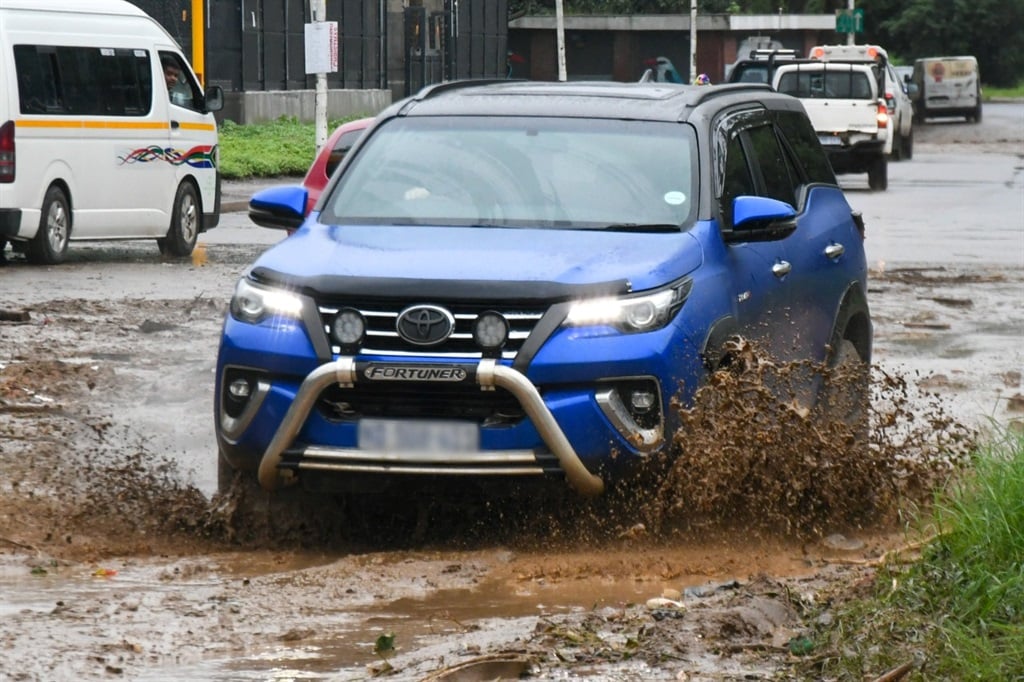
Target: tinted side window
(803,142)
(83,80)
(776,172)
(737,180)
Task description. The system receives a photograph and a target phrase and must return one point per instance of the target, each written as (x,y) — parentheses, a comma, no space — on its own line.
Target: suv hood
(427,260)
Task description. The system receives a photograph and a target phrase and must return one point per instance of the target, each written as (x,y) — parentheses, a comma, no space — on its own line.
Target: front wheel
(186,223)
(51,241)
(845,395)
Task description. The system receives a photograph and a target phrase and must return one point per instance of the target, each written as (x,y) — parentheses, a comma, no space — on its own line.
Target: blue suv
(520,280)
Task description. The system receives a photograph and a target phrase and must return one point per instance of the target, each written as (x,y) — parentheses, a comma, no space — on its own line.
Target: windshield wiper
(640,227)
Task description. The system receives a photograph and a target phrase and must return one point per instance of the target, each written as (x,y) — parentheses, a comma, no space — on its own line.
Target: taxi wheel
(51,241)
(186,223)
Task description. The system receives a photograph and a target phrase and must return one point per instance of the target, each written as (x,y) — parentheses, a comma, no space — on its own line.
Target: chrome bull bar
(488,374)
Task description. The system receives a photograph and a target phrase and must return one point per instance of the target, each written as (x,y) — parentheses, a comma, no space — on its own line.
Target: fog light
(240,389)
(348,327)
(490,330)
(642,401)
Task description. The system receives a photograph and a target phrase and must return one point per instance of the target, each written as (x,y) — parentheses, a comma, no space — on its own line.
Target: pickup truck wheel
(51,241)
(878,174)
(908,146)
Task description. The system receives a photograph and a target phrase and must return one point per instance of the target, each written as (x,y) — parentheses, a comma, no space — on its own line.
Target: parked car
(330,157)
(947,86)
(515,281)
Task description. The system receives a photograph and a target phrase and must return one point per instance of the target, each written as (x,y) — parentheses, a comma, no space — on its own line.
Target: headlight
(253,303)
(640,313)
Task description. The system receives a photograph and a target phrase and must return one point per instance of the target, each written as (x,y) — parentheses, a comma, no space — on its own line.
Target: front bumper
(488,374)
(301,440)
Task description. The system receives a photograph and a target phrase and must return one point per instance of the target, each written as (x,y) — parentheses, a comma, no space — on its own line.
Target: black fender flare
(853,322)
(713,351)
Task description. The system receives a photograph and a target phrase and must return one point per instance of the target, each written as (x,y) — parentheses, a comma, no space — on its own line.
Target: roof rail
(448,86)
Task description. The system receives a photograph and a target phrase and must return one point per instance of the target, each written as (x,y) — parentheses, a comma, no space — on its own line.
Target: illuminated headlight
(254,303)
(348,327)
(490,330)
(640,313)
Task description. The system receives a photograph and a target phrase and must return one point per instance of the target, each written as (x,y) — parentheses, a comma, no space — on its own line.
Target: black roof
(653,101)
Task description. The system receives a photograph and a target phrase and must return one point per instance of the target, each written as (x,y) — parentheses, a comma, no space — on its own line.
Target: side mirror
(280,208)
(760,219)
(912,88)
(214,98)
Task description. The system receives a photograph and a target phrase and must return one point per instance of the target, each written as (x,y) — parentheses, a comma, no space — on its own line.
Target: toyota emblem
(425,325)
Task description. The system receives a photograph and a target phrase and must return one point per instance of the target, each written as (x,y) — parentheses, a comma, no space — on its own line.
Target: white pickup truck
(850,117)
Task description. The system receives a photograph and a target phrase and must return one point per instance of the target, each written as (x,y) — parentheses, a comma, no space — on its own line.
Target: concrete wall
(256,107)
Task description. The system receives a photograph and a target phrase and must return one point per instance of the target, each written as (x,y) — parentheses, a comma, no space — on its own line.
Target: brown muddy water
(115,563)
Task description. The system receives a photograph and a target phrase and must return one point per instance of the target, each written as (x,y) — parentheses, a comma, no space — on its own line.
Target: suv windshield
(521,172)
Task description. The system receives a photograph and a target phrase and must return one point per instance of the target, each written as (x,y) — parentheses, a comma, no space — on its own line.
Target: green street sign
(850,20)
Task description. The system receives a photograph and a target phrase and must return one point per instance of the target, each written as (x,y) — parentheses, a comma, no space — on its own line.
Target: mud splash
(747,459)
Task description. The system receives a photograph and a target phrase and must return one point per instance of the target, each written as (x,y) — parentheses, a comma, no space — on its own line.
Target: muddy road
(118,562)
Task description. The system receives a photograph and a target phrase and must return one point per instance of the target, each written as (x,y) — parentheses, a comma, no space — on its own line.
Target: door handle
(781,269)
(834,251)
(175,125)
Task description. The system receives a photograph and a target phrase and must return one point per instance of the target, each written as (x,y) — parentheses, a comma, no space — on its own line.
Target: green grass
(961,606)
(989,92)
(262,150)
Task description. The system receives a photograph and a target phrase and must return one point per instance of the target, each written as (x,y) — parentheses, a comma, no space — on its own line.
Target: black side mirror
(214,98)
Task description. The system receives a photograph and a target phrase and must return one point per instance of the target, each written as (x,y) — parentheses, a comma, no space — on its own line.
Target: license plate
(418,435)
(829,140)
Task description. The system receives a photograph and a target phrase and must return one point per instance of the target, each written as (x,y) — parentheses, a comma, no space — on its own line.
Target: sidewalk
(235,194)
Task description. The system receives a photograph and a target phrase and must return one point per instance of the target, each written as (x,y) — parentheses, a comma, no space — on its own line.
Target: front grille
(382,336)
(418,400)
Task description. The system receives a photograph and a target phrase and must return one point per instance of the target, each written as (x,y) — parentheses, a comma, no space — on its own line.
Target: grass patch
(989,92)
(960,608)
(265,150)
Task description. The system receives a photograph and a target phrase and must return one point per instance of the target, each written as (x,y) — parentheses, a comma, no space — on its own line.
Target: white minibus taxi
(105,131)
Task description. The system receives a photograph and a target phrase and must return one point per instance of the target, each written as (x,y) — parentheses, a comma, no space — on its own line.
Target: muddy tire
(845,395)
(50,244)
(878,174)
(186,223)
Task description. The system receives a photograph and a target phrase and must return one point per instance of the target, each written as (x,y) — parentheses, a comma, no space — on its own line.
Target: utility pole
(693,40)
(319,11)
(560,37)
(849,36)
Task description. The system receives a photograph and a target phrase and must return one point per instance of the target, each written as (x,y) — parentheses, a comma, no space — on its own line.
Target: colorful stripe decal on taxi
(197,157)
(110,125)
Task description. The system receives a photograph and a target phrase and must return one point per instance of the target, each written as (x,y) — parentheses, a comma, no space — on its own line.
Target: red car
(330,156)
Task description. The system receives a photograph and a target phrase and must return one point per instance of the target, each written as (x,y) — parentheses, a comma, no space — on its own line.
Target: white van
(94,143)
(947,86)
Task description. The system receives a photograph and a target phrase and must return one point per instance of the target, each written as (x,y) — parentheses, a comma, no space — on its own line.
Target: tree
(991,30)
